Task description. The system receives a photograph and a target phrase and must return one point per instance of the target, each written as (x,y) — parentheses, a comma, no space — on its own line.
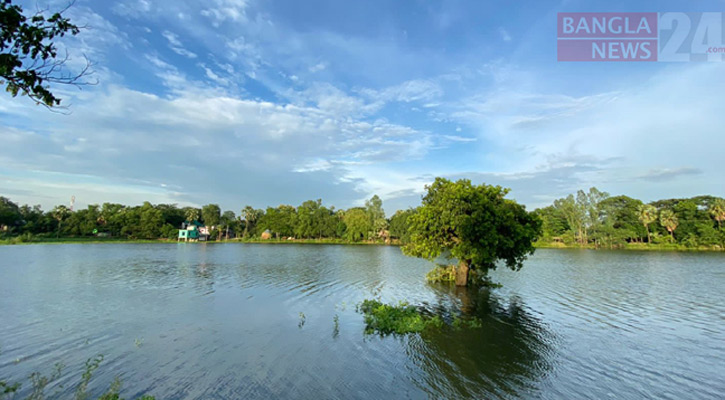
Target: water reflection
(506,357)
(221,321)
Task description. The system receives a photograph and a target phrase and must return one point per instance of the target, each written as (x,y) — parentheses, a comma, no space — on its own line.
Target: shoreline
(632,247)
(556,246)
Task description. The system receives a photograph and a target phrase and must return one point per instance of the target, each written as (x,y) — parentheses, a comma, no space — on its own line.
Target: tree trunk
(649,239)
(462,274)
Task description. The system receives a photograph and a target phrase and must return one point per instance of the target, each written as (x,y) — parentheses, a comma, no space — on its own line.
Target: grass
(19,240)
(311,241)
(39,383)
(30,239)
(629,246)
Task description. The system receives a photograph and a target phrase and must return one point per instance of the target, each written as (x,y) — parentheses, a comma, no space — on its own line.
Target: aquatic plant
(40,382)
(303,318)
(459,323)
(336,326)
(400,319)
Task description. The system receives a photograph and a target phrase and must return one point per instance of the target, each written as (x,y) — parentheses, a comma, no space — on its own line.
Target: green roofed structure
(194,231)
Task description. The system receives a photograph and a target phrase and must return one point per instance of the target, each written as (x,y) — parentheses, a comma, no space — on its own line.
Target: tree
(60,213)
(374,208)
(308,224)
(399,225)
(227,221)
(211,214)
(29,60)
(251,216)
(474,224)
(10,214)
(573,214)
(191,214)
(647,215)
(357,224)
(717,210)
(669,221)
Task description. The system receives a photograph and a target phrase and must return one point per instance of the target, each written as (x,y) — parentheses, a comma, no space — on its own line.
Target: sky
(261,102)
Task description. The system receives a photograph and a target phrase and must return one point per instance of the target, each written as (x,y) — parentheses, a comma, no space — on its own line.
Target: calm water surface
(223,321)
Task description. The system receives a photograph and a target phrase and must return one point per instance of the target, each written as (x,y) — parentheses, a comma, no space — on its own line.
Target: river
(232,321)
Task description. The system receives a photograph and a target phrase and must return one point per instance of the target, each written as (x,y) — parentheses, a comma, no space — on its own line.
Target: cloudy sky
(275,102)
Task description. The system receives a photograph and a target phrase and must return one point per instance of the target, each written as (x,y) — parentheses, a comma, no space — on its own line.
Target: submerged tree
(474,224)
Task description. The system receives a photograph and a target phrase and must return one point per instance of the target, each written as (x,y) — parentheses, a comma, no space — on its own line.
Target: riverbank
(20,240)
(630,246)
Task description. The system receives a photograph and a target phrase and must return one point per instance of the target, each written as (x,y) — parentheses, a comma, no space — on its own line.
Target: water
(222,321)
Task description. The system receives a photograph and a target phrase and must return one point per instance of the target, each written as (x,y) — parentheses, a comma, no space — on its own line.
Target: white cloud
(176,46)
(318,67)
(223,10)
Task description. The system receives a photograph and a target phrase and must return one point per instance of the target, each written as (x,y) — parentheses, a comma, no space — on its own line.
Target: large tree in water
(473,224)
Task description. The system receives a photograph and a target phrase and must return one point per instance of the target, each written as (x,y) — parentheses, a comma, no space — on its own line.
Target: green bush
(400,319)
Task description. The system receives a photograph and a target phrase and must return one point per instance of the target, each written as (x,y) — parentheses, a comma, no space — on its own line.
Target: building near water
(194,231)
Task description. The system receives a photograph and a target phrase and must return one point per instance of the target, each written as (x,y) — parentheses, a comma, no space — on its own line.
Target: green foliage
(589,219)
(442,273)
(473,224)
(8,389)
(211,214)
(460,323)
(10,215)
(357,223)
(669,221)
(376,214)
(399,225)
(251,217)
(622,222)
(403,318)
(717,210)
(447,274)
(40,382)
(29,59)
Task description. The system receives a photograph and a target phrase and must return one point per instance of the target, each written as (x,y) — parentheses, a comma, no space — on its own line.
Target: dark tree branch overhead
(29,59)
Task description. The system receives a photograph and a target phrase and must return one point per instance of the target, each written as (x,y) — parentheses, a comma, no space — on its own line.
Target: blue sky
(265,103)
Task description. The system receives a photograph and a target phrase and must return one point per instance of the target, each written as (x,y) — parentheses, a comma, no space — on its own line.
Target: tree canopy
(29,59)
(474,224)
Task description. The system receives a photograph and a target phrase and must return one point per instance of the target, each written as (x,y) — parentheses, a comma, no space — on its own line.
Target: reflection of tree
(504,358)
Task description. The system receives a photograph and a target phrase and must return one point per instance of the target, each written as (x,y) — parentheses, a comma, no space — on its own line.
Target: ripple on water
(223,321)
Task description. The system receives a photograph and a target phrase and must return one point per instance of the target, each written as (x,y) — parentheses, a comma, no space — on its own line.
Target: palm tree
(250,216)
(60,213)
(669,220)
(717,210)
(647,215)
(192,214)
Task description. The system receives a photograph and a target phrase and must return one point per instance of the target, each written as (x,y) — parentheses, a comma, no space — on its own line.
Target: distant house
(194,231)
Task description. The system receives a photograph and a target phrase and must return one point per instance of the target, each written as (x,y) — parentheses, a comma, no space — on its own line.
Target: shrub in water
(402,318)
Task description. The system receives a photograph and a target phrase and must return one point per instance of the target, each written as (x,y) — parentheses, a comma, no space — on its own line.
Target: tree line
(595,218)
(309,220)
(591,218)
